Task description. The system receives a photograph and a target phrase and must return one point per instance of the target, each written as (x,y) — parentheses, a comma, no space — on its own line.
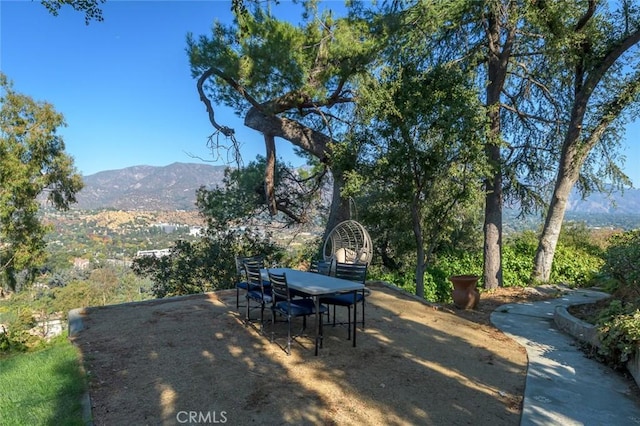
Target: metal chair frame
(352,272)
(285,305)
(242,283)
(256,292)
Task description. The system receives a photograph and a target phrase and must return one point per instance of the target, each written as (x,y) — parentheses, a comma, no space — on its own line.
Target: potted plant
(465,294)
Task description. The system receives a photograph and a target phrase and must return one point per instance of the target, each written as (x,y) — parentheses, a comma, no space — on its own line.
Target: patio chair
(256,292)
(286,306)
(348,242)
(321,266)
(352,272)
(242,284)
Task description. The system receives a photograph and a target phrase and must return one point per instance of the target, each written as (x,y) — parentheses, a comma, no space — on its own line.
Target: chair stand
(290,338)
(248,321)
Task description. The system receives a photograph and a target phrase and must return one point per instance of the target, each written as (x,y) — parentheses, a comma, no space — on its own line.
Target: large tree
(291,82)
(424,154)
(599,75)
(33,164)
(532,57)
(493,38)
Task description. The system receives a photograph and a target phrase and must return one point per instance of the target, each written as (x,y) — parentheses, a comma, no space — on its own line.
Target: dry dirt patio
(162,362)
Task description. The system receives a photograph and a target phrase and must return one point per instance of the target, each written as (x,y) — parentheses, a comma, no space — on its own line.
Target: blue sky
(124,84)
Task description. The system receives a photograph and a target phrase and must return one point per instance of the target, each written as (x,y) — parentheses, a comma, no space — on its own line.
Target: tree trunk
(312,142)
(576,147)
(340,209)
(497,63)
(492,271)
(568,172)
(420,259)
(551,231)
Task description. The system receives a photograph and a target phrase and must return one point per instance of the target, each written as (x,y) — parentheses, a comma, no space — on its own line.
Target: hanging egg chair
(348,242)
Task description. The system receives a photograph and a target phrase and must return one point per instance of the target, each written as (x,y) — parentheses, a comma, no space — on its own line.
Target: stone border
(587,333)
(581,330)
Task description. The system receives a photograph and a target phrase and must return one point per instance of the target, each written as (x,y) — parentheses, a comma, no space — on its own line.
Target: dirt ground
(191,360)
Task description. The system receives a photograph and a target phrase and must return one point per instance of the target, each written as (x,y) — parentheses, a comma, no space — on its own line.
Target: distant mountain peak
(173,187)
(151,188)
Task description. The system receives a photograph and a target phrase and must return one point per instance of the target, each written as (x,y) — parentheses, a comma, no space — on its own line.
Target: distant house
(167,227)
(155,253)
(119,262)
(80,263)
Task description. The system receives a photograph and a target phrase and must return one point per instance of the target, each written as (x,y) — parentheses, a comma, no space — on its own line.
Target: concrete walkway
(563,386)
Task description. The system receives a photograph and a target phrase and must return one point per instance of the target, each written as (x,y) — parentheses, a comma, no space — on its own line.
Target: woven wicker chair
(348,242)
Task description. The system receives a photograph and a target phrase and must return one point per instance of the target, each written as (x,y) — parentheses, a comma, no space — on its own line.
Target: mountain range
(148,188)
(173,187)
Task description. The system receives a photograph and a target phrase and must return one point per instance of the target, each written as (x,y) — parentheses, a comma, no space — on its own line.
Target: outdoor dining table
(318,285)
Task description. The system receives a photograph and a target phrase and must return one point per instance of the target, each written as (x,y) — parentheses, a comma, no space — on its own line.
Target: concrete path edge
(563,386)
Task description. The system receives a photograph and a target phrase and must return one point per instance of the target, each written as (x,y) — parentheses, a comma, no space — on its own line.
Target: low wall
(579,329)
(587,333)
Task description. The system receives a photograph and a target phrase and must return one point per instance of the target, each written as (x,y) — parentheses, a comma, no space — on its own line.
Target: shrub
(619,331)
(207,264)
(16,337)
(517,259)
(576,263)
(621,258)
(575,266)
(619,324)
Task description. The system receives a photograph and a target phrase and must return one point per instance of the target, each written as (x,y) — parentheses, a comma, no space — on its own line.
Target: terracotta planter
(465,294)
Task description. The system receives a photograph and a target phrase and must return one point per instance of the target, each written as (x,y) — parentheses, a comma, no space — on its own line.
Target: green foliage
(243,198)
(619,331)
(437,287)
(517,258)
(91,8)
(204,265)
(75,294)
(32,161)
(208,264)
(271,58)
(578,258)
(106,285)
(619,324)
(576,265)
(16,337)
(448,263)
(622,258)
(423,167)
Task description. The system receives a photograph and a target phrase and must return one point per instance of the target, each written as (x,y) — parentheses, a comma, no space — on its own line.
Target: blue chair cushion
(345,299)
(257,295)
(245,285)
(299,307)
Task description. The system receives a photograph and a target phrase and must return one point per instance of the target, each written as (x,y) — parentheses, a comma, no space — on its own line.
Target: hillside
(598,203)
(173,187)
(148,188)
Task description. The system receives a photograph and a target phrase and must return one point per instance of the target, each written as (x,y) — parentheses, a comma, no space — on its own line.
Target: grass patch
(43,387)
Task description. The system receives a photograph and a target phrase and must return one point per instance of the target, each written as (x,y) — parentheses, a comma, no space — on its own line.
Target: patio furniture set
(337,280)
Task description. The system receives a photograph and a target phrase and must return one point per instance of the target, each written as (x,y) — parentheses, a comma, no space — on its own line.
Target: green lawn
(43,387)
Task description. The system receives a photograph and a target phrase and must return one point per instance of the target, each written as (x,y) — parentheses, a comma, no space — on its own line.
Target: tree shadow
(192,360)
